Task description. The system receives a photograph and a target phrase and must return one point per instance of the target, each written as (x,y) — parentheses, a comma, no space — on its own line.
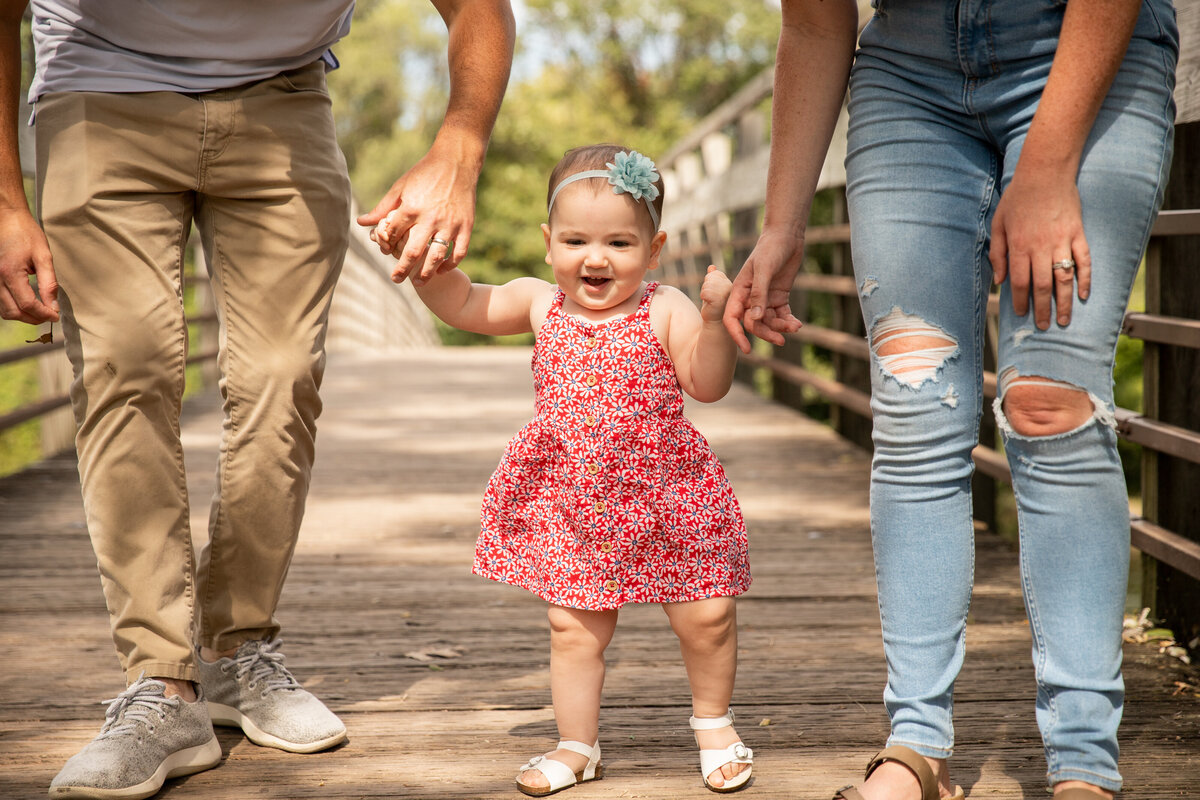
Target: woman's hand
(760,299)
(1038,223)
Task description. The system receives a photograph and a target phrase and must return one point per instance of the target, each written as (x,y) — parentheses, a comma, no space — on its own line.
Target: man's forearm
(12,187)
(482,36)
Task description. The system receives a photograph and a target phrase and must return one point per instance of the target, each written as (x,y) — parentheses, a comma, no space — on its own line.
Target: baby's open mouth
(595,281)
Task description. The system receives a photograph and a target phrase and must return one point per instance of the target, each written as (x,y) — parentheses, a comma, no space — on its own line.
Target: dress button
(591,380)
(606,547)
(599,506)
(610,585)
(589,420)
(593,468)
(591,341)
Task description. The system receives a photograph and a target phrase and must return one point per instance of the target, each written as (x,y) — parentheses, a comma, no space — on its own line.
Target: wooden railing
(716,180)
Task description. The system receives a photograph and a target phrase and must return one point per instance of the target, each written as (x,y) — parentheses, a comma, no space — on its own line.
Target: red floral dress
(609,495)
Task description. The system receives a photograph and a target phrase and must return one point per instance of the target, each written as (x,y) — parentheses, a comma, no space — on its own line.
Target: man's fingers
(462,241)
(403,266)
(43,266)
(12,308)
(386,204)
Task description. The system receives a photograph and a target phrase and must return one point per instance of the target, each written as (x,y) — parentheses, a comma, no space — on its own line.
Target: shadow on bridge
(442,677)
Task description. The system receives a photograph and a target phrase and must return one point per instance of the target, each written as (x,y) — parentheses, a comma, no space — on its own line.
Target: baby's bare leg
(577,642)
(707,631)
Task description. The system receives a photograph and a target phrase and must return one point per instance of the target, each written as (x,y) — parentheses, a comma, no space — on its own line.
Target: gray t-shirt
(178,45)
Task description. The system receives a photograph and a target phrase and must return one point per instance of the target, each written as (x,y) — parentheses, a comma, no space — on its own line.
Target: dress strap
(644,305)
(556,303)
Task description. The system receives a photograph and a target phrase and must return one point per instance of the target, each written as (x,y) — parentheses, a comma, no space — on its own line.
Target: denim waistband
(984,37)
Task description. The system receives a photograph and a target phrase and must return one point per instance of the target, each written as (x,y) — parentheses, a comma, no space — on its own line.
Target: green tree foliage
(637,73)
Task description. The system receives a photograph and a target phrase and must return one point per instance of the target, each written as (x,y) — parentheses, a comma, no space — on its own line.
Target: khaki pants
(121,178)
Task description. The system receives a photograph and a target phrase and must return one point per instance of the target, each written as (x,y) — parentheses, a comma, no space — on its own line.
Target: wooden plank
(382,577)
(1162,330)
(836,340)
(1187,74)
(30,351)
(1167,546)
(32,411)
(1160,436)
(1177,222)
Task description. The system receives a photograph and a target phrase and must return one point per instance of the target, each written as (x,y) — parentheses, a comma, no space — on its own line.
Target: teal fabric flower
(632,172)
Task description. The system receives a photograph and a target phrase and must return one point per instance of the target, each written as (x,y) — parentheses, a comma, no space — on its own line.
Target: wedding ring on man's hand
(1066,263)
(446,244)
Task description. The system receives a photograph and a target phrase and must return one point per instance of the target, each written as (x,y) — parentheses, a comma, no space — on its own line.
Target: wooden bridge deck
(442,677)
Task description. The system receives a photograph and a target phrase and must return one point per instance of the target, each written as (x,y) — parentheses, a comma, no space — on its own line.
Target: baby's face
(600,245)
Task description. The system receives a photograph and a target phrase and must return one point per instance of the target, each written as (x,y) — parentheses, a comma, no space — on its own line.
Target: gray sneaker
(146,739)
(256,692)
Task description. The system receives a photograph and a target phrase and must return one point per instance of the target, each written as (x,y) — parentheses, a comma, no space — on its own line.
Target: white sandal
(559,774)
(713,760)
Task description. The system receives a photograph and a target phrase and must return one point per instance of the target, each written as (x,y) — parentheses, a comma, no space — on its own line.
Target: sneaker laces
(134,707)
(264,665)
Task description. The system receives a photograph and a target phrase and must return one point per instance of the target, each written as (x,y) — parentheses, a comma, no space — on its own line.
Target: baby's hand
(714,294)
(381,234)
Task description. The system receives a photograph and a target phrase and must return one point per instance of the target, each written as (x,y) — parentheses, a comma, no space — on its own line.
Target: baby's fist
(714,294)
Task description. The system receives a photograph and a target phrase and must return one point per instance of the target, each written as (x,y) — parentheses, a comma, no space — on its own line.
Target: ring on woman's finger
(1066,263)
(446,244)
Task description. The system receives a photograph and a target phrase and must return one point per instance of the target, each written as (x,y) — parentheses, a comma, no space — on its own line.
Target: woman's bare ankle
(1064,785)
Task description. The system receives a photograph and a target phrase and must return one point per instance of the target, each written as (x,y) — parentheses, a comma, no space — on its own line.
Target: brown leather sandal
(916,764)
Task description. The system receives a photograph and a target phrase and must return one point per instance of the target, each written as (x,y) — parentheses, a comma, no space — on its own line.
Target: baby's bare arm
(481,307)
(698,342)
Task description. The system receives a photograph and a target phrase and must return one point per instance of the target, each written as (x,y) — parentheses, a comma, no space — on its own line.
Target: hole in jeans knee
(910,349)
(1032,405)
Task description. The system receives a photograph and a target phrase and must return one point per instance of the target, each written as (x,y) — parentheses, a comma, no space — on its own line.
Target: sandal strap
(558,774)
(848,793)
(713,760)
(711,723)
(590,751)
(915,763)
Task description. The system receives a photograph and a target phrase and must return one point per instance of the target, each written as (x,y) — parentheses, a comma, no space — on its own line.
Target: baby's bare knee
(713,619)
(576,630)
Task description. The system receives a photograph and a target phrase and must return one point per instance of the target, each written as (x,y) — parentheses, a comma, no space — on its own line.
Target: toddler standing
(609,495)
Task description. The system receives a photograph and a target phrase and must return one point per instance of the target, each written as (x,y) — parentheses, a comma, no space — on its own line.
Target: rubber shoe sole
(176,765)
(229,716)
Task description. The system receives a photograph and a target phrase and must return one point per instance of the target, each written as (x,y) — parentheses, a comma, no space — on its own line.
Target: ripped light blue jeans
(941,97)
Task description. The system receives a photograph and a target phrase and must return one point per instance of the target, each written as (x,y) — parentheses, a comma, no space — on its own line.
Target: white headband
(630,172)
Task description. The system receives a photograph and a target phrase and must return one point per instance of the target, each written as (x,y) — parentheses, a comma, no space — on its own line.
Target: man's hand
(431,208)
(24,252)
(434,199)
